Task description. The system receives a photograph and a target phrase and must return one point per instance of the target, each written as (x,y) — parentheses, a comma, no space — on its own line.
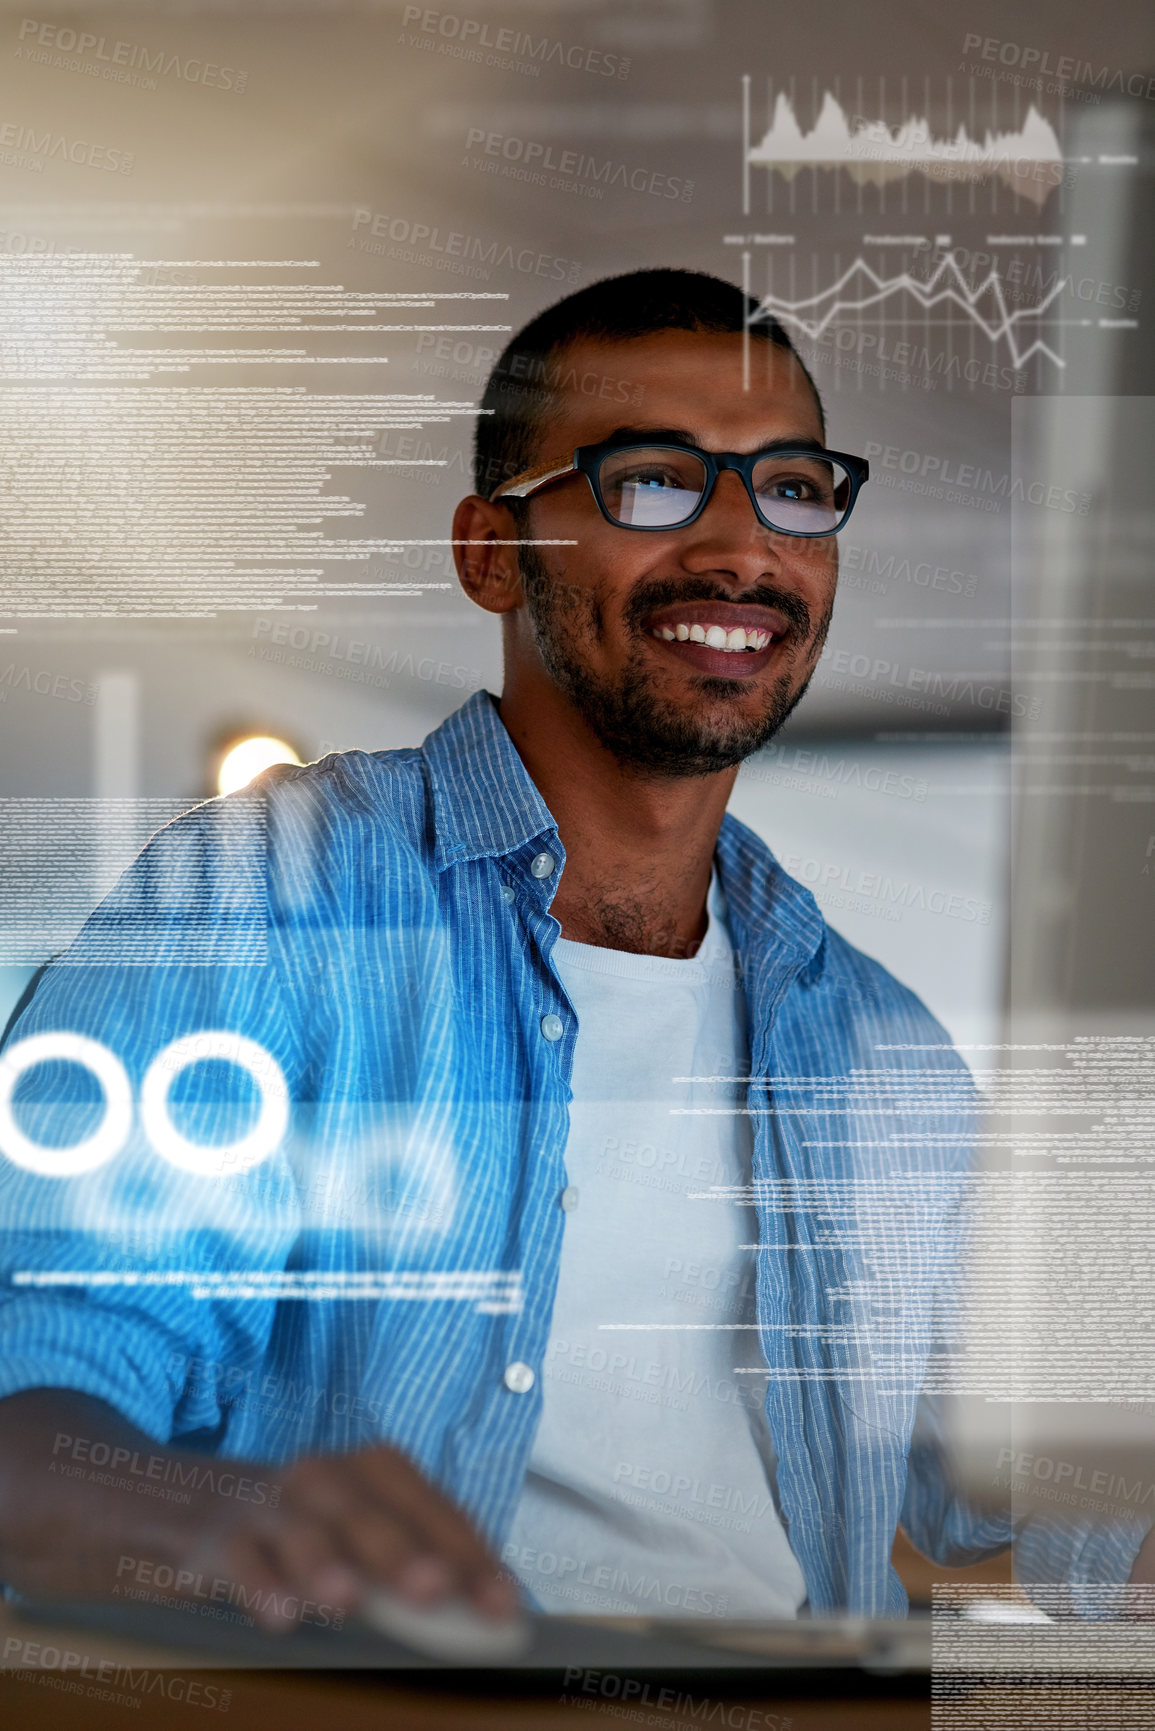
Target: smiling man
(634,1241)
(676,631)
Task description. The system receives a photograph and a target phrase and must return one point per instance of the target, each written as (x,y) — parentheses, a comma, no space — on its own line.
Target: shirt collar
(485,804)
(765,903)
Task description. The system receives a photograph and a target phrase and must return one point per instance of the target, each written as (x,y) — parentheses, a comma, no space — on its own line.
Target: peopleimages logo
(828,879)
(891,568)
(634,1692)
(243,1389)
(952,687)
(38,148)
(804,768)
(117,61)
(76,1673)
(530,159)
(45,684)
(354,658)
(649,1589)
(187,1588)
(467,254)
(147,1474)
(477,40)
(878,355)
(939,477)
(1038,64)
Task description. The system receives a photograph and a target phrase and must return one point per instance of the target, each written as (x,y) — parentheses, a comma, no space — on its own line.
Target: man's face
(600,612)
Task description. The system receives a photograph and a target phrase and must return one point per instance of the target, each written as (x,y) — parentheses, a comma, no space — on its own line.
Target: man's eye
(794,488)
(650,478)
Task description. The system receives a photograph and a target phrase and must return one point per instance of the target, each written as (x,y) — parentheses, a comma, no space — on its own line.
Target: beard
(644,732)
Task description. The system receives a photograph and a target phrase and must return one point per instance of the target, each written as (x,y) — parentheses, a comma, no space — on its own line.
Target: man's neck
(639,847)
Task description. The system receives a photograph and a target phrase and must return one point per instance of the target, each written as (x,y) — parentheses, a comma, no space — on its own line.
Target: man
(603,1248)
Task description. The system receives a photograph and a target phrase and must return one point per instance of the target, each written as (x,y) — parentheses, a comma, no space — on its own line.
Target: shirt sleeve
(1067,1562)
(115,1279)
(1064,1562)
(1083,1558)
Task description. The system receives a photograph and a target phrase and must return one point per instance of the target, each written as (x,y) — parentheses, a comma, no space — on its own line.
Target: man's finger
(393,1480)
(445,1530)
(386,1518)
(311,1556)
(263,1586)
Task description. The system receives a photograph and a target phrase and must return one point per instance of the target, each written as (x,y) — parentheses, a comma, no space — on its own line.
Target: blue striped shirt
(378,924)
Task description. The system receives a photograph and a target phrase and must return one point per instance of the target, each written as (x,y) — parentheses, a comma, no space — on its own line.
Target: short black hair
(528,374)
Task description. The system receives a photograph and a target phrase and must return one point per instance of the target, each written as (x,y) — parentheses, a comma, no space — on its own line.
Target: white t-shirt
(651,1484)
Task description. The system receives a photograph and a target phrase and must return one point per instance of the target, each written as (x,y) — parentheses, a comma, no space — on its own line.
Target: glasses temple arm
(521,486)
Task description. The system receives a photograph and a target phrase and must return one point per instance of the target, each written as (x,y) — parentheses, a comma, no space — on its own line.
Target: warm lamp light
(248,757)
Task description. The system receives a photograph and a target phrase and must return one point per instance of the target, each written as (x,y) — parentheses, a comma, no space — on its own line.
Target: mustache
(664,594)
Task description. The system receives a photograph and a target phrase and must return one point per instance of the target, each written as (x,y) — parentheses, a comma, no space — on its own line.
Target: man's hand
(327,1530)
(1143,1569)
(348,1523)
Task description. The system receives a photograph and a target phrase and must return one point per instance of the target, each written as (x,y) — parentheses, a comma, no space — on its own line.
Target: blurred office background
(941,206)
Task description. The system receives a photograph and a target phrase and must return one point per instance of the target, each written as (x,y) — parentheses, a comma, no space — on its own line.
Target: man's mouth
(731,641)
(719,638)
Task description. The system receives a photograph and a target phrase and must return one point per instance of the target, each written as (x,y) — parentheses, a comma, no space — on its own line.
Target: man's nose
(730,526)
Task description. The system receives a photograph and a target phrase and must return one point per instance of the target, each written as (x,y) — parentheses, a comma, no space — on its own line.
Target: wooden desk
(68,1680)
(280,1701)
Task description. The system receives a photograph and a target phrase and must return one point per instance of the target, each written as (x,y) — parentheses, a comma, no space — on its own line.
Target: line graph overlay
(814,314)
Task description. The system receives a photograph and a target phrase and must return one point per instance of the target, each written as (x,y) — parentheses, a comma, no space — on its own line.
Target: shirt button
(552,1027)
(518,1378)
(570,1197)
(507,892)
(542,865)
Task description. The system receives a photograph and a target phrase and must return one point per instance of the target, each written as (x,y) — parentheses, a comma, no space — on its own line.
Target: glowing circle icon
(110,1134)
(208,1159)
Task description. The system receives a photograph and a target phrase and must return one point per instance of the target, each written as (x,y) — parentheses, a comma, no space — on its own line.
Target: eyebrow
(680,436)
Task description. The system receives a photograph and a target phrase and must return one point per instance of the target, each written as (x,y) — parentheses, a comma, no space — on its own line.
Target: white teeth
(736,641)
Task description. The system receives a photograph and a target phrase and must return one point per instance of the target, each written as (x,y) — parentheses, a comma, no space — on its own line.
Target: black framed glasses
(794,489)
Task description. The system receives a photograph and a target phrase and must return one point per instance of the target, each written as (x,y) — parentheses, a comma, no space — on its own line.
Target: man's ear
(485,553)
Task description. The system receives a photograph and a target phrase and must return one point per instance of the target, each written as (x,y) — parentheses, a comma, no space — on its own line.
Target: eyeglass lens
(648,487)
